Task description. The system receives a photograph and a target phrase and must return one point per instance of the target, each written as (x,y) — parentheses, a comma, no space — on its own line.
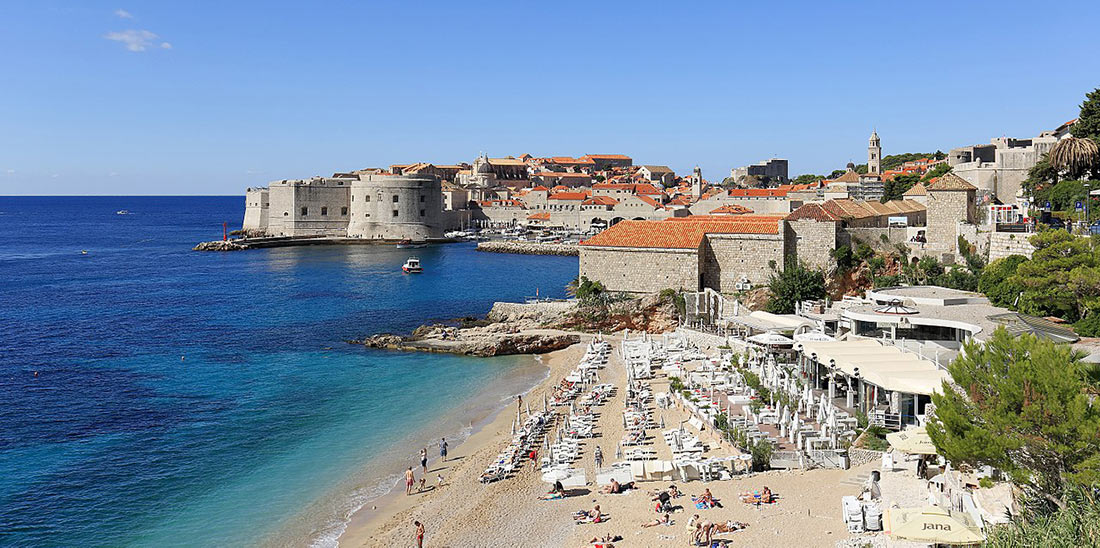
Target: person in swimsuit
(443,449)
(409,481)
(424,459)
(419,534)
(659,521)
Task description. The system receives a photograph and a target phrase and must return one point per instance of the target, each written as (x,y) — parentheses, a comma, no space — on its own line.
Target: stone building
(658,174)
(688,254)
(874,154)
(603,162)
(257,202)
(775,169)
(760,200)
(306,207)
(362,205)
(1001,166)
(396,207)
(950,202)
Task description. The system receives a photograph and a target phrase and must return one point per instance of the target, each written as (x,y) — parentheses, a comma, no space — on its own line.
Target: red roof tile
(675,235)
(731,209)
(760,192)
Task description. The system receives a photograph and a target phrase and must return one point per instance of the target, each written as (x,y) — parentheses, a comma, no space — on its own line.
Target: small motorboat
(412,266)
(409,244)
(122,212)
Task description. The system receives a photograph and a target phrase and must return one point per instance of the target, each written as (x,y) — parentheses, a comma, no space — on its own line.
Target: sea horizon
(155,393)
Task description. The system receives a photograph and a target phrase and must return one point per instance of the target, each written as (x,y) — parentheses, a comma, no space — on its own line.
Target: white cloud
(123,14)
(113,174)
(136,40)
(11,172)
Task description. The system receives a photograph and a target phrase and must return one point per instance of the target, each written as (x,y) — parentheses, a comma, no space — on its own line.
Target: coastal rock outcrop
(491,340)
(219,245)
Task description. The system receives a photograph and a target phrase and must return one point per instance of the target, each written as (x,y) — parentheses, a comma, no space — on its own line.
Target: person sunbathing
(727,527)
(766,495)
(616,488)
(659,521)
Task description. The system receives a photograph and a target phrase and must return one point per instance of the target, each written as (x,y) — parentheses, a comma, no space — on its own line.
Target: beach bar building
(891,385)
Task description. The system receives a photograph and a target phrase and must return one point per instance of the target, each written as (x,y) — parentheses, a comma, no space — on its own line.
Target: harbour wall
(528,248)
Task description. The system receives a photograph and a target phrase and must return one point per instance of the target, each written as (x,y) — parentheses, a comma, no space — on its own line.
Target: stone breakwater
(219,245)
(528,248)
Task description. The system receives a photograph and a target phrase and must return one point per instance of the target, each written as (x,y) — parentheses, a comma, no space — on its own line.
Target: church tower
(696,183)
(874,155)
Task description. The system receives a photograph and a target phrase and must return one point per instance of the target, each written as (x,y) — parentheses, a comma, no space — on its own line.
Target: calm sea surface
(155,396)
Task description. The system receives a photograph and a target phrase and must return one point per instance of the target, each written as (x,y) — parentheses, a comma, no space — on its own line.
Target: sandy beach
(463,512)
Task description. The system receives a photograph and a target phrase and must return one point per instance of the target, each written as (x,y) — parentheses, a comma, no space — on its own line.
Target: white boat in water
(412,266)
(123,212)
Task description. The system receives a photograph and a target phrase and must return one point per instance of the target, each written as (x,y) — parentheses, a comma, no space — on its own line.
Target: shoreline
(509,512)
(463,465)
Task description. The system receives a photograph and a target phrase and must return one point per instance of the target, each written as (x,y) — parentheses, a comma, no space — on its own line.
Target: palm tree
(1077,156)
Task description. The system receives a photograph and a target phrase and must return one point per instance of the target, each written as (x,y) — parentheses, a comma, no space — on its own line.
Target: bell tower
(874,154)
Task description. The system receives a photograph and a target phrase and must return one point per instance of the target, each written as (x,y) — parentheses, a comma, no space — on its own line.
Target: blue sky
(212,97)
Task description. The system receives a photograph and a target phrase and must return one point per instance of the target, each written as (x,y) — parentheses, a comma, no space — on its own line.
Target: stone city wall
(727,258)
(641,270)
(1003,244)
(528,248)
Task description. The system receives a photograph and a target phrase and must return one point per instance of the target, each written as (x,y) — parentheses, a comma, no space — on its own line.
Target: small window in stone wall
(305,211)
(395,211)
(395,198)
(366,197)
(324,211)
(421,212)
(421,198)
(343,211)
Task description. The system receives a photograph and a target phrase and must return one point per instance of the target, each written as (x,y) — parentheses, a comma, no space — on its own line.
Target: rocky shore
(490,340)
(528,248)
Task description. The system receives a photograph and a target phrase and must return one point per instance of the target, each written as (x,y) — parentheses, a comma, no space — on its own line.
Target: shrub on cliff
(794,284)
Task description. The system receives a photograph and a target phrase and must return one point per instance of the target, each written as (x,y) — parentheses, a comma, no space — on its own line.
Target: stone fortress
(363,205)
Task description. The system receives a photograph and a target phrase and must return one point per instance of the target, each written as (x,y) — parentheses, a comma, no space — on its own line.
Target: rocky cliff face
(652,314)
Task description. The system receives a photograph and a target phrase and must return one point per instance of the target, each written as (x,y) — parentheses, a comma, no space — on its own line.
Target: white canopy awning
(885,366)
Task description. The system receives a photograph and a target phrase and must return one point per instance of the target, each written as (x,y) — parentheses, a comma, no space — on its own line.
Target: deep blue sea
(155,396)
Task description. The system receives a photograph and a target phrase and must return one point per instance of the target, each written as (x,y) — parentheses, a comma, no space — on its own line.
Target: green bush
(1088,327)
(985,483)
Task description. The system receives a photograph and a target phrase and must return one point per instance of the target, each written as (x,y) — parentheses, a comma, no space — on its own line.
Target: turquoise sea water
(207,399)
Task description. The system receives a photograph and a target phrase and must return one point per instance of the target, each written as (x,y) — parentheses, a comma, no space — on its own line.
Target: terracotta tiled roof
(600,200)
(848,209)
(570,160)
(540,188)
(569,195)
(812,212)
(731,209)
(650,201)
(608,156)
(950,181)
(544,216)
(757,192)
(658,169)
(917,190)
(848,177)
(675,235)
(506,162)
(562,175)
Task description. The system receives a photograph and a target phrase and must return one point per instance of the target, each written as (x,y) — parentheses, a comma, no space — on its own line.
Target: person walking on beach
(424,460)
(409,481)
(419,534)
(599,458)
(519,403)
(443,449)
